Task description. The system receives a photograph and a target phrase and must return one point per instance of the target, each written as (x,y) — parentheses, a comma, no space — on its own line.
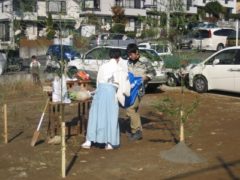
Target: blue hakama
(103,124)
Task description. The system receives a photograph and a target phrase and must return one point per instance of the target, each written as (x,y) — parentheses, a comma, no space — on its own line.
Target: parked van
(220,71)
(111,39)
(211,38)
(231,39)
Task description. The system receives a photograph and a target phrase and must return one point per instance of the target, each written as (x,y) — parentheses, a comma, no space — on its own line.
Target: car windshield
(161,48)
(150,54)
(102,53)
(233,35)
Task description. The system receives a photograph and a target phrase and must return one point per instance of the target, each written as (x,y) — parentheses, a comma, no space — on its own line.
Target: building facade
(28,18)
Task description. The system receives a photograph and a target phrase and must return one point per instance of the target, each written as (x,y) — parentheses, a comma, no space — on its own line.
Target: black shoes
(135,136)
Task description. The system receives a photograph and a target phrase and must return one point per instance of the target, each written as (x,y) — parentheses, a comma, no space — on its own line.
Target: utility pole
(237,30)
(169,10)
(12,33)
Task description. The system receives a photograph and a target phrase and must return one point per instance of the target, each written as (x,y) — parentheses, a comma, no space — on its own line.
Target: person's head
(133,51)
(115,53)
(34,57)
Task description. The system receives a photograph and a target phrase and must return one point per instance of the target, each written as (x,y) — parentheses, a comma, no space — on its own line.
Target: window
(224,32)
(117,37)
(56,7)
(25,5)
(137,4)
(189,4)
(225,58)
(129,3)
(103,54)
(99,53)
(161,48)
(202,34)
(4,31)
(91,4)
(237,57)
(119,3)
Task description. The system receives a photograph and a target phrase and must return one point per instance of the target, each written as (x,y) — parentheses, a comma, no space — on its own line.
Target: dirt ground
(212,132)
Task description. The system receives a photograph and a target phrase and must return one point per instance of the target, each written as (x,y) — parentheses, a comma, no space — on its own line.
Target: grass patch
(20,88)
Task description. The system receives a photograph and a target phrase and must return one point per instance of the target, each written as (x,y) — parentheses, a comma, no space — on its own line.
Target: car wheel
(19,67)
(200,84)
(151,87)
(71,71)
(171,81)
(190,46)
(219,47)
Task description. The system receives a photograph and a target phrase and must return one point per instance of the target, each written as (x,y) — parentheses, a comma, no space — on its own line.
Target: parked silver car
(184,41)
(95,57)
(3,62)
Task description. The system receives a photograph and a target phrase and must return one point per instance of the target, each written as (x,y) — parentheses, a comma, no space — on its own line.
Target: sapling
(170,107)
(180,152)
(179,109)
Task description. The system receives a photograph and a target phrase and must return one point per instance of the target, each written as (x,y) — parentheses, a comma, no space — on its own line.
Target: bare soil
(212,132)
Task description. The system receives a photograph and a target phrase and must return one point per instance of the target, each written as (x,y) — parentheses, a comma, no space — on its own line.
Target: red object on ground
(83,75)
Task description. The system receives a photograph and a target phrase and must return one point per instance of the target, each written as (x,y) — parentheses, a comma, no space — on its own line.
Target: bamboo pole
(181,112)
(5,123)
(63,151)
(181,127)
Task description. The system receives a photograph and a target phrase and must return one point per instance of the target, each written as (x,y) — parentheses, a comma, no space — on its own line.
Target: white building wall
(31,32)
(130,25)
(41,8)
(73,10)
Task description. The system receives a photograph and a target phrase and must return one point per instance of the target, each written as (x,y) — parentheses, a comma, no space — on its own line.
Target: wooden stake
(5,123)
(63,151)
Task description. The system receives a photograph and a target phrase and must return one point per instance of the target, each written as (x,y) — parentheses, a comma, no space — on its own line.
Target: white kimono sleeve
(124,87)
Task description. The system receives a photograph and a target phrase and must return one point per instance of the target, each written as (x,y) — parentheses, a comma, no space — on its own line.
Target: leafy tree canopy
(118,15)
(214,8)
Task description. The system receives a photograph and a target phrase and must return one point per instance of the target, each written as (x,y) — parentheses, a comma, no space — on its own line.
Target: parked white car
(162,49)
(3,62)
(220,71)
(211,38)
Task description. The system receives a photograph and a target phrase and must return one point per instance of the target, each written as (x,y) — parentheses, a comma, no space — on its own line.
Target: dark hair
(34,57)
(132,48)
(115,53)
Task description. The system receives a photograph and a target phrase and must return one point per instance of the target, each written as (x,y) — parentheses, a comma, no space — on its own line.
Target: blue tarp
(136,84)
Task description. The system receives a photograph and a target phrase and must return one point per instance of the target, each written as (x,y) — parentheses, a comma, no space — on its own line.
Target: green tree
(214,8)
(119,19)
